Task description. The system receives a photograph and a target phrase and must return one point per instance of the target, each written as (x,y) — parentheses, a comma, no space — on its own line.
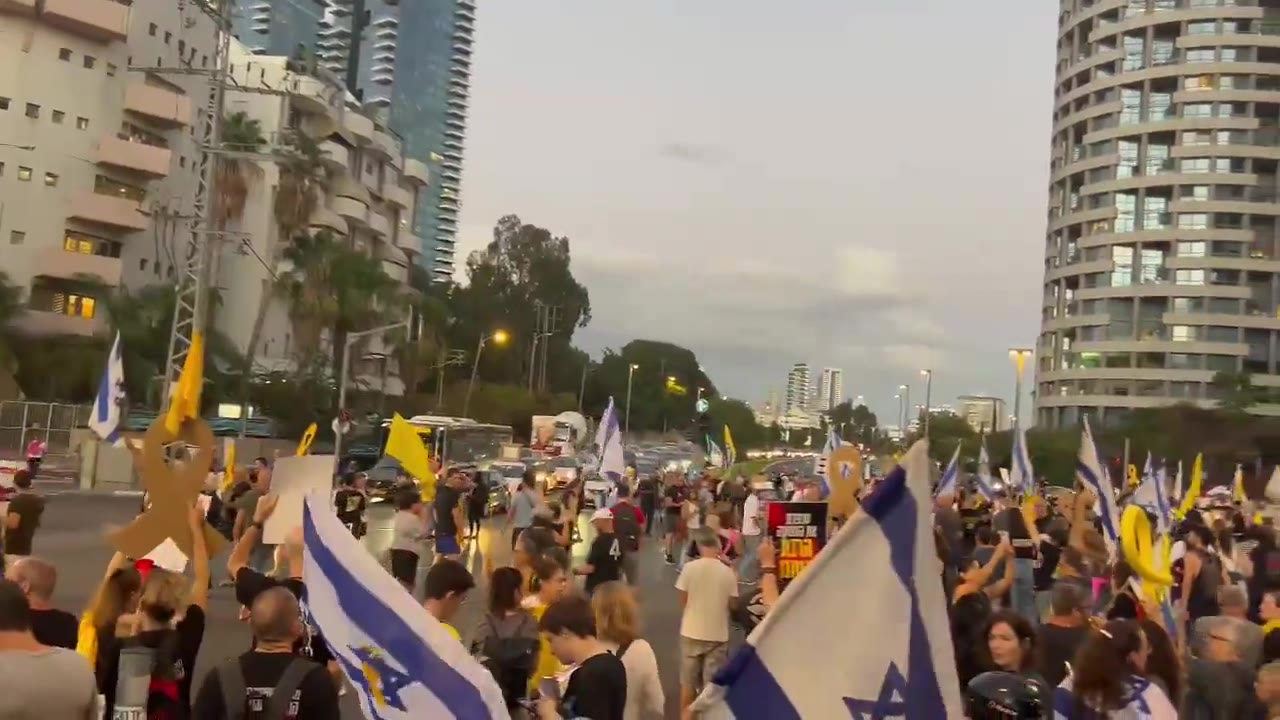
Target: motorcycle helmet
(1006,696)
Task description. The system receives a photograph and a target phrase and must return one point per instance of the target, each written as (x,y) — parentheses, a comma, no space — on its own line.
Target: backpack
(235,692)
(510,658)
(146,684)
(627,528)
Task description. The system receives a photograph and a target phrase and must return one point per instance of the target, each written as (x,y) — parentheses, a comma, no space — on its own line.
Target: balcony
(398,196)
(408,242)
(134,156)
(313,95)
(398,272)
(379,224)
(18,7)
(335,156)
(158,104)
(350,208)
(415,171)
(108,210)
(59,263)
(100,20)
(359,127)
(325,219)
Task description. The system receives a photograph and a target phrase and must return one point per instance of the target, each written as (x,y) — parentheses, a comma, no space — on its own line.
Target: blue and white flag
(1176,498)
(613,461)
(109,403)
(715,456)
(823,460)
(1090,472)
(983,478)
(1022,476)
(947,483)
(902,664)
(402,662)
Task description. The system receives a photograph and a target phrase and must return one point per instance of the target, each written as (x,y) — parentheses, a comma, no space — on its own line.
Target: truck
(557,435)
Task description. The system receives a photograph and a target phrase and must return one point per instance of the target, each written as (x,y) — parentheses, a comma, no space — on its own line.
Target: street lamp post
(631,372)
(1019,357)
(928,391)
(342,377)
(905,391)
(498,337)
(671,380)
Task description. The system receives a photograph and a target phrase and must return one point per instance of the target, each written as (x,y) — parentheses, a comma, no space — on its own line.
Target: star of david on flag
(876,586)
(402,662)
(108,405)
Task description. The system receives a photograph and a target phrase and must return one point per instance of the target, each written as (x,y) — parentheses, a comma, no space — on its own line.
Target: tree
(1235,390)
(855,424)
(10,306)
(741,421)
(656,403)
(232,176)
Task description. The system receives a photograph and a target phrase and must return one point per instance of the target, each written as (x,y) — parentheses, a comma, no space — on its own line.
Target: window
(1188,277)
(50,179)
(204,61)
(17,237)
(151,29)
(1,169)
(1200,55)
(1191,249)
(1197,110)
(1198,82)
(64,54)
(57,117)
(142,263)
(4,103)
(111,69)
(1195,165)
(1182,333)
(1202,28)
(89,62)
(182,47)
(24,174)
(82,123)
(1198,193)
(169,36)
(1193,221)
(33,110)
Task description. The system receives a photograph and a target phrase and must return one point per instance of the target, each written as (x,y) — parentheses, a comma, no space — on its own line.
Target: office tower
(1161,245)
(412,69)
(797,397)
(984,413)
(286,28)
(830,389)
(99,115)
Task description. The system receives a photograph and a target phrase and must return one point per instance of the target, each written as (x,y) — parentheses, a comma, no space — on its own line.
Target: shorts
(404,566)
(700,660)
(447,545)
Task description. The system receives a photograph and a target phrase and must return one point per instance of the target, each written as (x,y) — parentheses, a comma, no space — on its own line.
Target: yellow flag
(185,403)
(308,437)
(405,445)
(1193,491)
(1237,486)
(1134,480)
(229,473)
(730,451)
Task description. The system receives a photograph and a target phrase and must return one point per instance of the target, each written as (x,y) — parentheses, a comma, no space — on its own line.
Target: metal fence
(21,422)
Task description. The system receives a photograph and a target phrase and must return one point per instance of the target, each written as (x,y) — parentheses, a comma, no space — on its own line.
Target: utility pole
(533,348)
(551,325)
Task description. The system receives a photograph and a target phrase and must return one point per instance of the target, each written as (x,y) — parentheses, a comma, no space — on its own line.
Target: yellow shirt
(548,665)
(452,631)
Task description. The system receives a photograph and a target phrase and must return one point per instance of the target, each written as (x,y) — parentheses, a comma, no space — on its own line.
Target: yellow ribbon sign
(1150,563)
(844,477)
(308,437)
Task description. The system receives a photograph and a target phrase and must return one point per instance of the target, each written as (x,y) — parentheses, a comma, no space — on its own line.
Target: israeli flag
(983,478)
(109,403)
(1022,476)
(613,461)
(1177,486)
(402,661)
(902,664)
(715,456)
(821,463)
(947,484)
(1089,471)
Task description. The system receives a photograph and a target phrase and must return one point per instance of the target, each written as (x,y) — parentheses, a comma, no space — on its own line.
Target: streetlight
(499,337)
(342,377)
(1019,357)
(928,391)
(631,372)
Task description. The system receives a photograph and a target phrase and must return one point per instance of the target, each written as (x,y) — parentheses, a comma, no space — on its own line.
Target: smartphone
(549,689)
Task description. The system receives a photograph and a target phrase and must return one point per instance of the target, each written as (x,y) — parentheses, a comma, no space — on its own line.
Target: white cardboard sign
(292,479)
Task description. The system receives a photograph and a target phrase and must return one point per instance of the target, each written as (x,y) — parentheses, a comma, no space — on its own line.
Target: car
(499,497)
(562,471)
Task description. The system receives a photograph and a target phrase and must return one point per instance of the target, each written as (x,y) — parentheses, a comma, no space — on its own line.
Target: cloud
(695,154)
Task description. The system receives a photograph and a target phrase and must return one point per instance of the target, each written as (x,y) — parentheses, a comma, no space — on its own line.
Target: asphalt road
(71,536)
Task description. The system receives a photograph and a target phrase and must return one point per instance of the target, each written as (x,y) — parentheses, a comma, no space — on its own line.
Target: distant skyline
(768,185)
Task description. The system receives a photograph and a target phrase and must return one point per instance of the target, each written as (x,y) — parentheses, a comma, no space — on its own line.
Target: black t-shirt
(1058,646)
(189,634)
(250,582)
(675,494)
(597,689)
(29,507)
(647,490)
(55,628)
(1011,521)
(350,505)
(1046,564)
(315,699)
(446,500)
(605,559)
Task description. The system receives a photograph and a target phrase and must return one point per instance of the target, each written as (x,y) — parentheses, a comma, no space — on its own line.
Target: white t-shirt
(710,584)
(750,511)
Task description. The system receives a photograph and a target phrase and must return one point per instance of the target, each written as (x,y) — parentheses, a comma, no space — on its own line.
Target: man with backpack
(628,526)
(269,682)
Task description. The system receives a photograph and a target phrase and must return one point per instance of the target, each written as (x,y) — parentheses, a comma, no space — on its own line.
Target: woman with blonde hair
(618,627)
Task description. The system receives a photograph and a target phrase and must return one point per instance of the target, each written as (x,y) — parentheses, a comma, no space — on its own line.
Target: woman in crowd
(507,639)
(618,627)
(971,607)
(1108,678)
(1124,601)
(1164,664)
(116,595)
(532,544)
(551,582)
(1011,645)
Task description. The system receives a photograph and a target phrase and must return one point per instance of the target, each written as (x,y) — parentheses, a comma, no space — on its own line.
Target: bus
(453,440)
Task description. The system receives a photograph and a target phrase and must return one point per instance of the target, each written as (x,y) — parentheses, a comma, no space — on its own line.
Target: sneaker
(670,560)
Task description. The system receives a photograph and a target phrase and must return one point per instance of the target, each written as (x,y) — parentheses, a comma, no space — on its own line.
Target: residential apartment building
(984,413)
(830,388)
(98,150)
(420,86)
(798,393)
(279,27)
(1162,254)
(370,195)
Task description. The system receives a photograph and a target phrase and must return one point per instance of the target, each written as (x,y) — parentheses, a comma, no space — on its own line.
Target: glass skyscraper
(278,27)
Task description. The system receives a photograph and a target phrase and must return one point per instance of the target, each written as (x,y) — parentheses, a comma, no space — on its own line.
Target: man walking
(752,524)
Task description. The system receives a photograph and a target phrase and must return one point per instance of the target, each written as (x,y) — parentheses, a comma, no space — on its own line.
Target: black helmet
(1006,696)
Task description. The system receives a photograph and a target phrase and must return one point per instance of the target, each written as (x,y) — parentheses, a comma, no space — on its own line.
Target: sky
(859,185)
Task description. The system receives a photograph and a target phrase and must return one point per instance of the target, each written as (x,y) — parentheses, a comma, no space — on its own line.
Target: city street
(71,536)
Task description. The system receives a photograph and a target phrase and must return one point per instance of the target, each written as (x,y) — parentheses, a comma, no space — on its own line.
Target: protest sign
(798,531)
(292,479)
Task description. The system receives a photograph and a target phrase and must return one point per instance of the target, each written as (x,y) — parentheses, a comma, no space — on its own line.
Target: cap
(602,514)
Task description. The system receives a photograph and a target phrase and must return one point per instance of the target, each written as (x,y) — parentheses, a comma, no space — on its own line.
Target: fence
(21,422)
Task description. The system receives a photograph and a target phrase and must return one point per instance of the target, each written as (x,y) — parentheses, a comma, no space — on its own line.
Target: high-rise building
(413,65)
(797,397)
(1162,244)
(830,388)
(984,413)
(99,120)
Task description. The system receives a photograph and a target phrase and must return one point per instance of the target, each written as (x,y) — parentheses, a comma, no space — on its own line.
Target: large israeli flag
(109,403)
(899,660)
(1090,472)
(613,461)
(602,430)
(983,478)
(947,484)
(1021,476)
(403,663)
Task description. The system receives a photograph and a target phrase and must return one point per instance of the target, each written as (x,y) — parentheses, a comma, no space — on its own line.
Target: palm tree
(10,306)
(232,176)
(1235,390)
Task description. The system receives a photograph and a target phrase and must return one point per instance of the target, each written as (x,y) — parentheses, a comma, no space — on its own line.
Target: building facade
(1162,256)
(98,157)
(984,413)
(830,389)
(798,389)
(287,28)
